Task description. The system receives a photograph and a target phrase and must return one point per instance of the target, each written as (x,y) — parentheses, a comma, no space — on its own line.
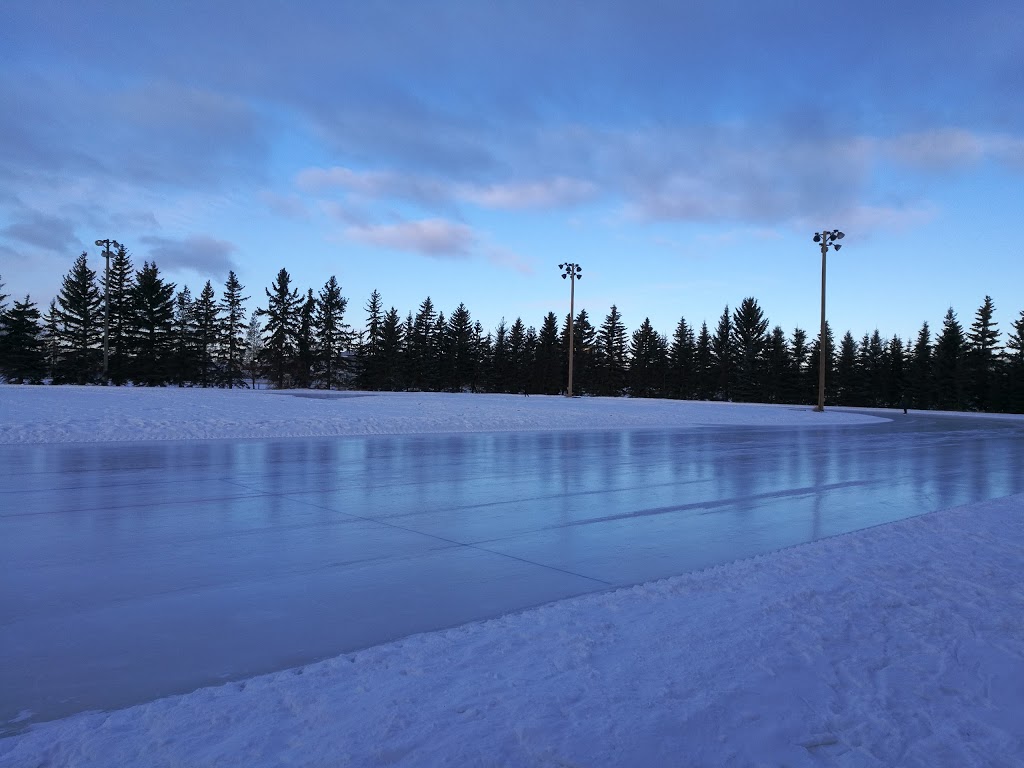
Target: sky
(683,154)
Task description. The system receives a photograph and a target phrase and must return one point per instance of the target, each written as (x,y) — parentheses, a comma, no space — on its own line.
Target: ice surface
(132,571)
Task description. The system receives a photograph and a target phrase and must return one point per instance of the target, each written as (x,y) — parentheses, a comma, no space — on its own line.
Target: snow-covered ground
(898,645)
(76,414)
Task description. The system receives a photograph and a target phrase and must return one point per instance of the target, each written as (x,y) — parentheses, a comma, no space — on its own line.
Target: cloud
(436,238)
(558,192)
(42,230)
(938,150)
(505,258)
(199,253)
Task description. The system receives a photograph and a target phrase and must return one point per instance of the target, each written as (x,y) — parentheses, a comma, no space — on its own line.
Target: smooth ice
(131,571)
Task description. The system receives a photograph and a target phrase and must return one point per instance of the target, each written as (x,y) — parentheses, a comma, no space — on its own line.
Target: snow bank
(93,414)
(902,644)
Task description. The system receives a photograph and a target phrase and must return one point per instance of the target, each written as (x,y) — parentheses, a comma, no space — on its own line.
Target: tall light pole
(824,239)
(105,244)
(574,273)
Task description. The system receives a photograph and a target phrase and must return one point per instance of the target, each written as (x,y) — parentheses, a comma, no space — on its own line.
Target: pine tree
(814,362)
(153,304)
(681,365)
(799,388)
(208,333)
(52,349)
(481,352)
(422,350)
(501,364)
(81,325)
(611,363)
(950,364)
(332,331)
(722,357)
(519,361)
(748,339)
(846,371)
(282,328)
(896,377)
(22,360)
(233,328)
(983,345)
(1013,399)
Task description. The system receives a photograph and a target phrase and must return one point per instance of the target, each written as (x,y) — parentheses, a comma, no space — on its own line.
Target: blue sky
(682,152)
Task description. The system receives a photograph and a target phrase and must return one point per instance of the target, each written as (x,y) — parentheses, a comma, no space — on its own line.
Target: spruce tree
(547,358)
(1013,399)
(153,304)
(983,345)
(233,328)
(370,354)
(950,364)
(422,349)
(779,367)
(920,374)
(51,338)
(846,378)
(748,339)
(612,366)
(501,366)
(281,329)
(208,333)
(799,388)
(704,377)
(121,319)
(648,361)
(332,331)
(896,377)
(184,360)
(306,349)
(23,359)
(722,357)
(519,363)
(253,358)
(461,368)
(81,325)
(814,362)
(681,370)
(392,351)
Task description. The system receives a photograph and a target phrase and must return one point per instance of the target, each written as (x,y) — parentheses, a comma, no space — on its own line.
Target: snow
(902,644)
(92,414)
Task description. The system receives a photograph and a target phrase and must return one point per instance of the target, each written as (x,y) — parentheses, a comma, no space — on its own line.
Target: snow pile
(92,414)
(898,645)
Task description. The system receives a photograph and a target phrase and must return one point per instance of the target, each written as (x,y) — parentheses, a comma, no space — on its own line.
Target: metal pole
(822,339)
(106,313)
(572,313)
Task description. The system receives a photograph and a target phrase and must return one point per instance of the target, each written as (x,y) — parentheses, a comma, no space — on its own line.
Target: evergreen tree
(501,362)
(920,376)
(22,359)
(207,334)
(612,366)
(519,362)
(648,356)
(748,339)
(252,360)
(392,341)
(799,388)
(874,371)
(846,371)
(440,372)
(332,330)
(460,337)
(81,325)
(896,377)
(546,356)
(282,328)
(370,352)
(950,364)
(681,362)
(121,319)
(779,367)
(153,304)
(184,368)
(1013,399)
(52,339)
(983,345)
(481,352)
(306,351)
(233,328)
(722,357)
(704,365)
(814,362)
(422,355)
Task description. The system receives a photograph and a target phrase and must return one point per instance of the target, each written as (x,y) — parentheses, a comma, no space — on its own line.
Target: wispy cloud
(436,238)
(42,230)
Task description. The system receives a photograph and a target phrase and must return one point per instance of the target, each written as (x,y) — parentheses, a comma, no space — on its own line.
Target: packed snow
(91,414)
(898,645)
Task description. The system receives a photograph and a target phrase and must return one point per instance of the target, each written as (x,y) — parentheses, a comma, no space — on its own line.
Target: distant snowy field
(90,414)
(899,645)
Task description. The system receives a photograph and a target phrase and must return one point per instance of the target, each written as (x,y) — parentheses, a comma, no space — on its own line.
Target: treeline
(157,335)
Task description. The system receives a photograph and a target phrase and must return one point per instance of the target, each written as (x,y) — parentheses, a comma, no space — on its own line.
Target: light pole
(825,239)
(574,272)
(105,244)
